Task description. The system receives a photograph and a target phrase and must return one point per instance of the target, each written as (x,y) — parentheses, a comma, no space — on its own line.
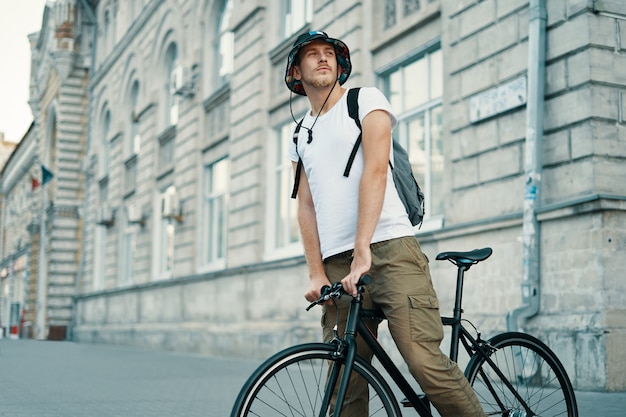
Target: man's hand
(361,264)
(316,283)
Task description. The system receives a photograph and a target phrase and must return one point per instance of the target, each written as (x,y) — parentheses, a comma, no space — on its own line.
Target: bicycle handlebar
(336,291)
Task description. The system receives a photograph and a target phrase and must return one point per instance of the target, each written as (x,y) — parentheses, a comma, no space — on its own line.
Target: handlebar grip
(324,290)
(365,280)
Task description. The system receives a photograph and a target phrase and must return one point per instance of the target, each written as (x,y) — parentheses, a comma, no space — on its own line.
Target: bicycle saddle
(465,258)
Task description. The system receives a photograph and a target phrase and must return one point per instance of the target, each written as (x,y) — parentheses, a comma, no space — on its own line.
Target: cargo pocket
(425,319)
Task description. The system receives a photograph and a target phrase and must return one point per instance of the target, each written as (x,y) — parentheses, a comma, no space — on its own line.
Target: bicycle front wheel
(539,385)
(295,382)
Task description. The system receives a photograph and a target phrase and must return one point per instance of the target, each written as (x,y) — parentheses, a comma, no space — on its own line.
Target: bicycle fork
(350,357)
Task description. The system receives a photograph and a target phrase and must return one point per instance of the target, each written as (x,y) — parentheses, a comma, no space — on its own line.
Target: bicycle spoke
(528,367)
(295,385)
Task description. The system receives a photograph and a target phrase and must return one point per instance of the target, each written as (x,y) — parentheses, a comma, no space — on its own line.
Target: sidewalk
(65,379)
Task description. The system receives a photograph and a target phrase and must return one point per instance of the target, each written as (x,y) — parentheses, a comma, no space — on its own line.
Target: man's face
(318,65)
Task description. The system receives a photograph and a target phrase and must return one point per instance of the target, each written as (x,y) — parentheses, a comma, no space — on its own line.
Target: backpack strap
(296,182)
(353,112)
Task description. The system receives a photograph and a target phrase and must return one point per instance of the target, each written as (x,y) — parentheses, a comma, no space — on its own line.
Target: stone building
(42,183)
(512,113)
(11,266)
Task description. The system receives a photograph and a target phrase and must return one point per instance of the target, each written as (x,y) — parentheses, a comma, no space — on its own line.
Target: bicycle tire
(533,370)
(292,383)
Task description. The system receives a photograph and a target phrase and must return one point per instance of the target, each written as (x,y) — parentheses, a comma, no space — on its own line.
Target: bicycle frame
(508,371)
(355,325)
(472,346)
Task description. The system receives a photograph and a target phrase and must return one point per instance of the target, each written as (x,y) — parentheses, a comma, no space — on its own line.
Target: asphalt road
(64,379)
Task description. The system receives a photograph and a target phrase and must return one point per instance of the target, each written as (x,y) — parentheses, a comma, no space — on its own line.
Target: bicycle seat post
(457,312)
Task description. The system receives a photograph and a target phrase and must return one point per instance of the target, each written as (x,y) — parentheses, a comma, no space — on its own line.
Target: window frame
(164,236)
(279,185)
(223,44)
(432,220)
(100,242)
(213,218)
(130,175)
(287,26)
(133,142)
(174,78)
(128,239)
(104,163)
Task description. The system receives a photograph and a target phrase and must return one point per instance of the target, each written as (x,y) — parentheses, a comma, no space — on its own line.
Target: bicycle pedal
(422,397)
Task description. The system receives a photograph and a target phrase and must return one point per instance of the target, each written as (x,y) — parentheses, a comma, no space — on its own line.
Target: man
(355,225)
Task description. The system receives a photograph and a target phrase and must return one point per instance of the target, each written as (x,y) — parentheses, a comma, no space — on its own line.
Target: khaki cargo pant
(403,289)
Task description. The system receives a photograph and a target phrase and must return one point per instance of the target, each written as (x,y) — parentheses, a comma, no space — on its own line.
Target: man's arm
(376,142)
(310,239)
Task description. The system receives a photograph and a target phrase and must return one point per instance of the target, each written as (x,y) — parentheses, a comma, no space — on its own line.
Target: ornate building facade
(512,115)
(42,183)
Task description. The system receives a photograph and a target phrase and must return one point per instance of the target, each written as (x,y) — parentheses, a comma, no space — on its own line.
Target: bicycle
(513,374)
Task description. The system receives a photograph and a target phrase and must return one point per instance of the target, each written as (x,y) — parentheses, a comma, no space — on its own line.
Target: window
(215,178)
(133,142)
(414,89)
(224,46)
(130,177)
(283,230)
(218,120)
(297,13)
(174,81)
(100,240)
(167,228)
(105,145)
(127,249)
(166,153)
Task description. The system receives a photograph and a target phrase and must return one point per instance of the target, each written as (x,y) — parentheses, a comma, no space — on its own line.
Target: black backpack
(409,191)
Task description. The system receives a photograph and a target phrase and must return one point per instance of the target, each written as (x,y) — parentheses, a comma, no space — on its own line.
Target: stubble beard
(322,82)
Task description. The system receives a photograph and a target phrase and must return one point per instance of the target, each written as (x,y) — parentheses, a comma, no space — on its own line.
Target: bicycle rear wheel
(293,383)
(534,372)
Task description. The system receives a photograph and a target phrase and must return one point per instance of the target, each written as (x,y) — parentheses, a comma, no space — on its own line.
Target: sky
(17,20)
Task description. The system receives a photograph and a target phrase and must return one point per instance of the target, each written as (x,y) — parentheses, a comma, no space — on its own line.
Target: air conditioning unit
(170,207)
(184,80)
(105,216)
(176,79)
(134,215)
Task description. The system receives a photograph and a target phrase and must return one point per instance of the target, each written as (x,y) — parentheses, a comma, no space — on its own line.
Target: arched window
(166,233)
(134,141)
(174,73)
(104,164)
(224,46)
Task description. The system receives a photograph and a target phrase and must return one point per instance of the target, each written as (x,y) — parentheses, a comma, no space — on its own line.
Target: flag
(34,183)
(46,175)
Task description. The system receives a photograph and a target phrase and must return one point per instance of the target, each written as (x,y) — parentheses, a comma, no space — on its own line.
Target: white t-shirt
(335,197)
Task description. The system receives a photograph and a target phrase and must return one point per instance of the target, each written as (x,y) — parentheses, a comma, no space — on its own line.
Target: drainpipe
(533,167)
(81,267)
